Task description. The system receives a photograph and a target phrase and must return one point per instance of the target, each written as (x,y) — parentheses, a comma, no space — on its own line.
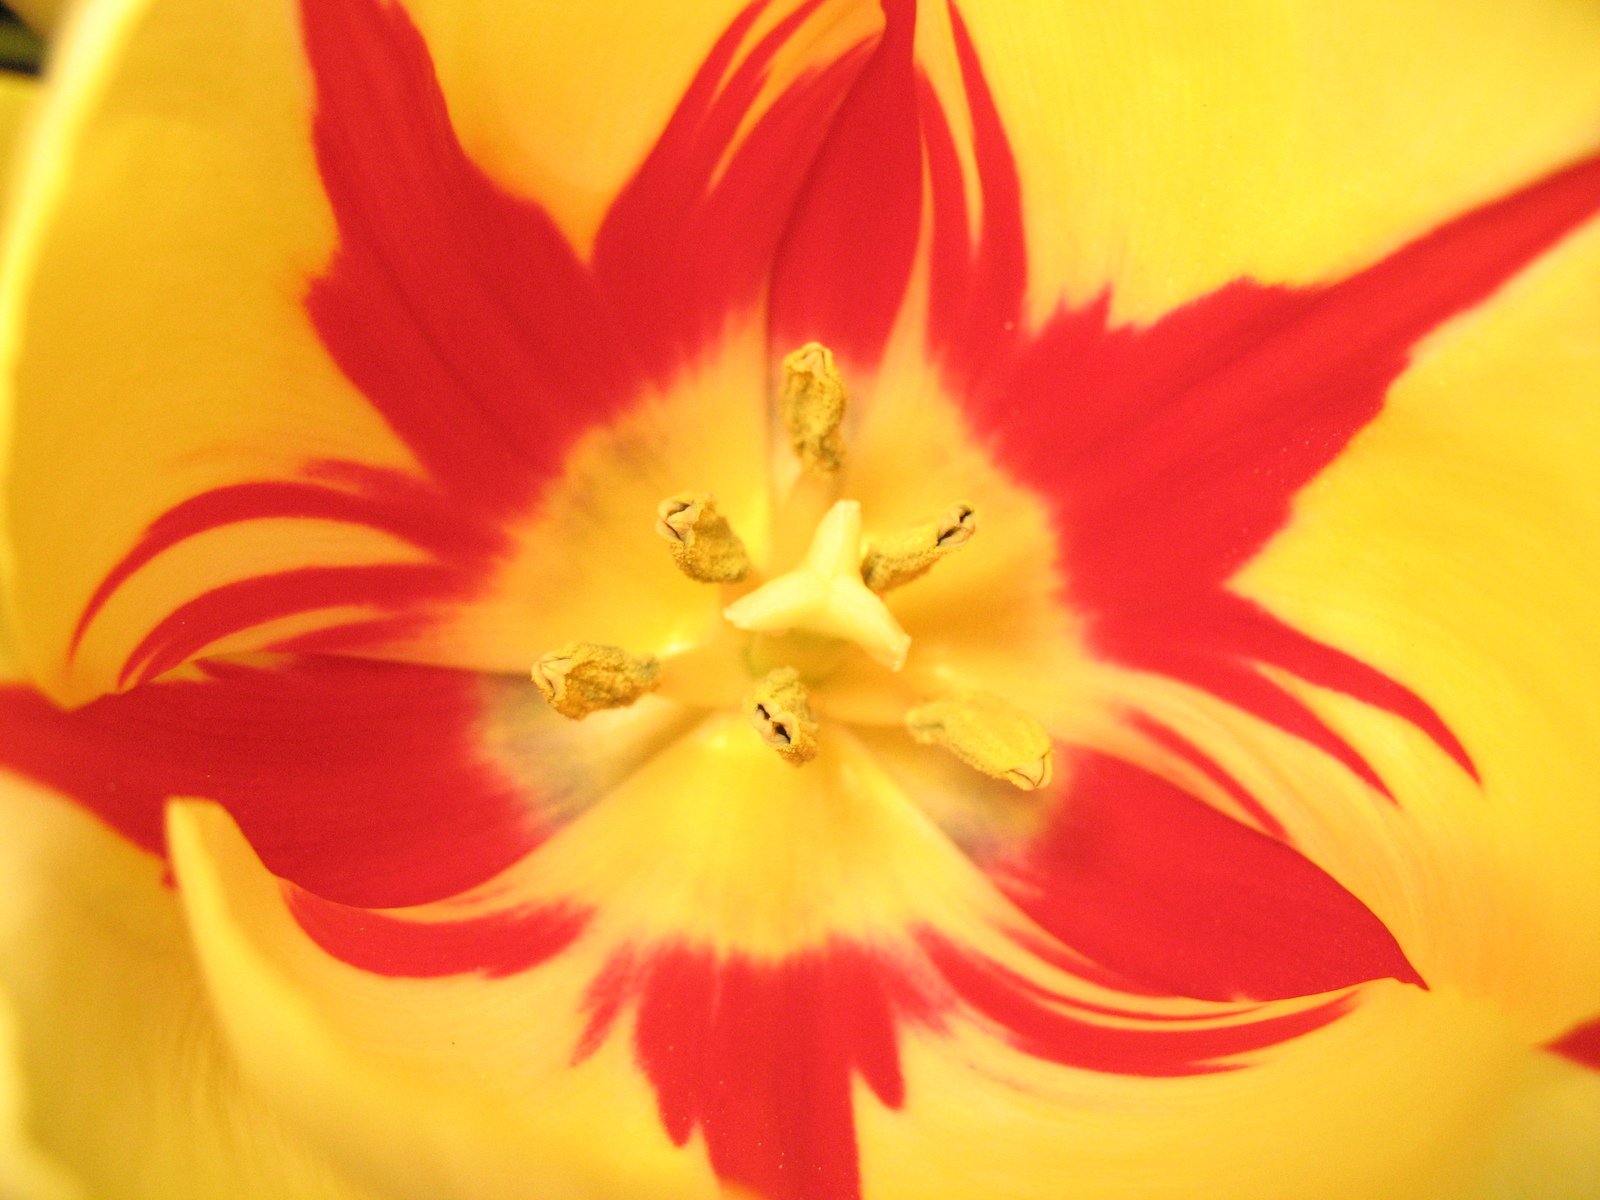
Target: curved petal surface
(933,1060)
(128,1084)
(736,959)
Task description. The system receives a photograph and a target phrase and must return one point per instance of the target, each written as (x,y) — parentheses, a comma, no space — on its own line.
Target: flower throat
(791,630)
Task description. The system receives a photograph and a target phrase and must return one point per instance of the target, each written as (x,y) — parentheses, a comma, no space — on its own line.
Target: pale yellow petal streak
(26,1172)
(126,1082)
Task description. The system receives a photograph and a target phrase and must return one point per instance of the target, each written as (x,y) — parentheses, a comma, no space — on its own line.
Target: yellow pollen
(989,734)
(904,556)
(584,677)
(780,710)
(825,595)
(813,402)
(703,544)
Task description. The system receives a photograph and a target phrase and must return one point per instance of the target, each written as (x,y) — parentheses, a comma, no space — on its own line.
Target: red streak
(759,1057)
(355,494)
(848,252)
(1045,1025)
(1581,1045)
(360,781)
(497,944)
(1171,453)
(1177,897)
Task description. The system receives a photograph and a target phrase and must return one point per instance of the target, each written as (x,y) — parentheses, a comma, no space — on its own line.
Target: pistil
(825,595)
(989,734)
(584,677)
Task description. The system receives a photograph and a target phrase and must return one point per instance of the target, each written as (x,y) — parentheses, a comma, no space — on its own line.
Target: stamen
(988,734)
(813,402)
(780,710)
(703,544)
(825,594)
(908,555)
(584,677)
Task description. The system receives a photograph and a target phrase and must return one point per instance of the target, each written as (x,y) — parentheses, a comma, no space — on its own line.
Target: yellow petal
(1546,1146)
(128,1084)
(1412,1094)
(18,95)
(1165,147)
(26,1173)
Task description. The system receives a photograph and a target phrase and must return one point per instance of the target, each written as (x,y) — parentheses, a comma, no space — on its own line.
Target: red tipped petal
(1581,1045)
(1175,896)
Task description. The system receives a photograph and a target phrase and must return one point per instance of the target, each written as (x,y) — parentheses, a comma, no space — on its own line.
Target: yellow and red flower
(347,386)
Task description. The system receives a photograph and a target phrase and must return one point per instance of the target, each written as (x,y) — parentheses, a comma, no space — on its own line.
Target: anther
(825,595)
(780,711)
(813,401)
(989,734)
(703,544)
(904,556)
(584,677)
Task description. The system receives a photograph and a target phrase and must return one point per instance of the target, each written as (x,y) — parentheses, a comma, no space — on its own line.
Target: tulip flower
(809,601)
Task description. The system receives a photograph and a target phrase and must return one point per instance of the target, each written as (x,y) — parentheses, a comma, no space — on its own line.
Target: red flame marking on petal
(1175,895)
(1173,452)
(385,943)
(1581,1045)
(334,491)
(1042,1024)
(848,250)
(469,322)
(759,1057)
(200,623)
(363,782)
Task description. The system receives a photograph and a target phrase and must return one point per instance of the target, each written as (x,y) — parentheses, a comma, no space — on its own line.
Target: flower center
(795,630)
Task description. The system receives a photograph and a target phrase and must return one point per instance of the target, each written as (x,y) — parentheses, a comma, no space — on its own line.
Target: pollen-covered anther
(703,544)
(825,595)
(902,557)
(989,734)
(780,711)
(584,677)
(812,401)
